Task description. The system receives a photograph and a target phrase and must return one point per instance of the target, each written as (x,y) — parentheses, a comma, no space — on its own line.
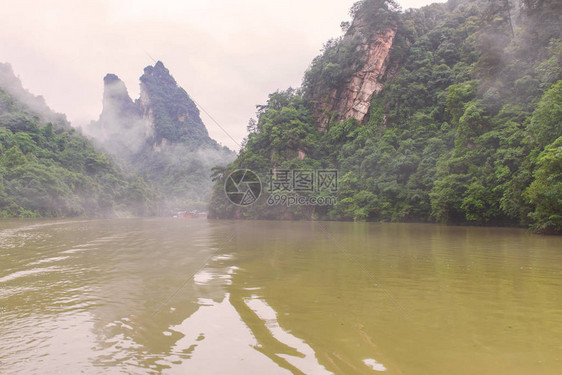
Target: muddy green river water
(165,296)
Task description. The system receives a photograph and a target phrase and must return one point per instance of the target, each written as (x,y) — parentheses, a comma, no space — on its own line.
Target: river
(165,296)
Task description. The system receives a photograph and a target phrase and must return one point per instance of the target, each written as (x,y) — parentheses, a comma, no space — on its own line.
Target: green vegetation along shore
(464,123)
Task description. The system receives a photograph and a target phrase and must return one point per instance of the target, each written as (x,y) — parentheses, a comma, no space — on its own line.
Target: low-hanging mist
(48,169)
(161,137)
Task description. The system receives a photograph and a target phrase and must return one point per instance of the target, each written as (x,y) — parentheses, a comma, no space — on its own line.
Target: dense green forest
(467,128)
(47,169)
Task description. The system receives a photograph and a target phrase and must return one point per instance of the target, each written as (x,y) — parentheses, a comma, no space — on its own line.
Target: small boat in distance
(194,214)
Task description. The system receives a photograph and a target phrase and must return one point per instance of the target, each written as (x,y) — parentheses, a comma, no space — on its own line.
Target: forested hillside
(47,169)
(450,113)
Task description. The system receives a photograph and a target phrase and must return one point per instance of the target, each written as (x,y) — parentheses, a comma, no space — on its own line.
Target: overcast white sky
(227,54)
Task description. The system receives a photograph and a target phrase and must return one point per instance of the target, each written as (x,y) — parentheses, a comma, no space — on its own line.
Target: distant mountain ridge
(12,84)
(161,136)
(163,114)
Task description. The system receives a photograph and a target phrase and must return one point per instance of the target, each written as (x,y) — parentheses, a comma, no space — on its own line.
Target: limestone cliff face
(169,110)
(163,115)
(116,99)
(353,99)
(119,112)
(147,111)
(120,126)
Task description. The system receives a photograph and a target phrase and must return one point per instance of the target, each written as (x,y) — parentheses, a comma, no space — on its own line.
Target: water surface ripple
(164,296)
